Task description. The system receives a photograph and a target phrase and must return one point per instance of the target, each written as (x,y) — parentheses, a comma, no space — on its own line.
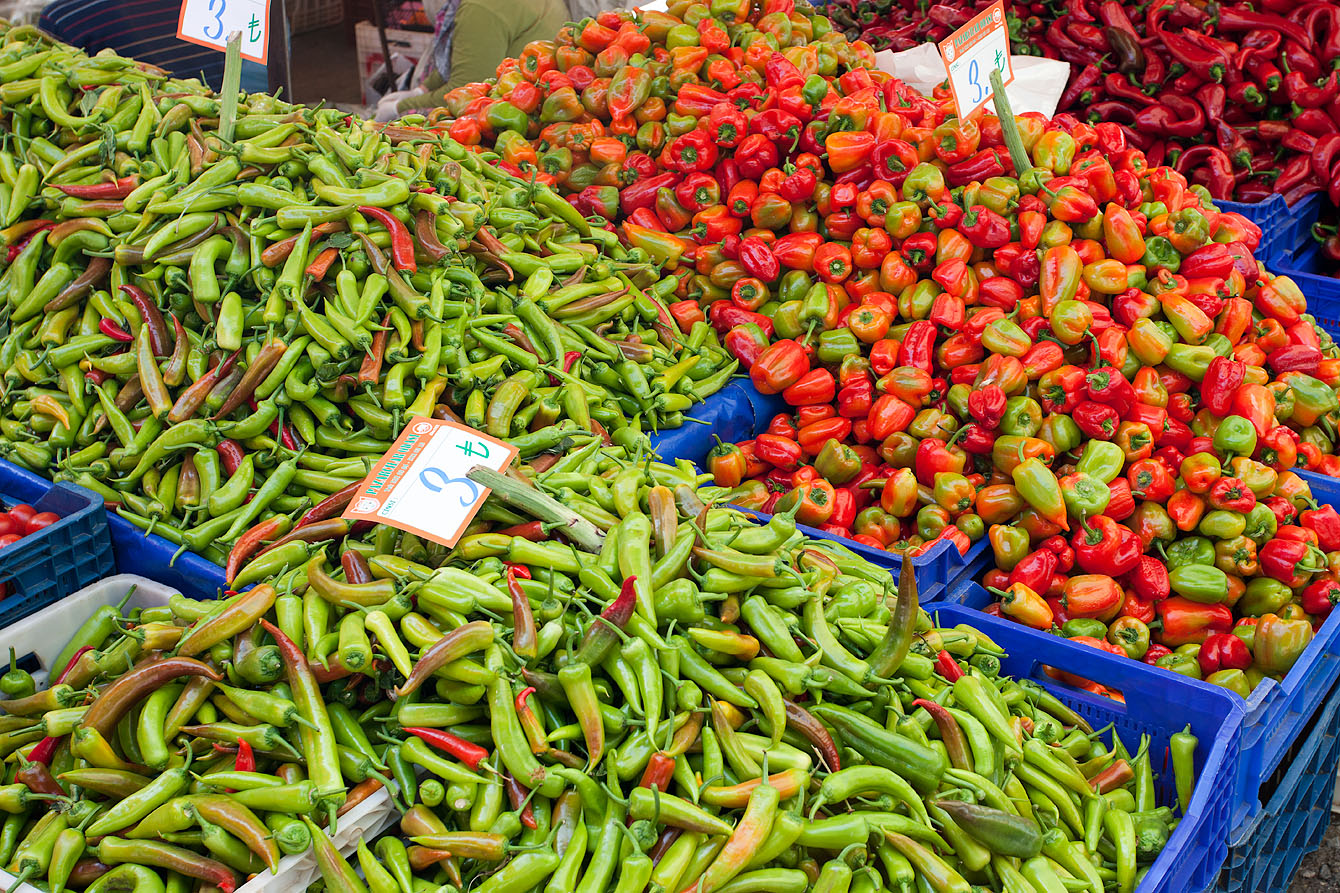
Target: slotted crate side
(1156,705)
(1283,228)
(1265,854)
(1304,266)
(309,15)
(938,570)
(65,557)
(1277,712)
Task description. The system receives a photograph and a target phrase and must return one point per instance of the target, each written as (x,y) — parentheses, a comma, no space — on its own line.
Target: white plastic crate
(44,634)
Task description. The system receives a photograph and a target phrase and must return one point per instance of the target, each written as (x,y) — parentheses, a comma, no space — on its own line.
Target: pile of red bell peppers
(1242,96)
(957,328)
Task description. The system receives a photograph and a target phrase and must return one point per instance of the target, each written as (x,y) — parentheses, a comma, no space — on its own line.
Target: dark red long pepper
(402,243)
(519,796)
(525,638)
(152,316)
(329,507)
(800,719)
(65,671)
(231,455)
(44,751)
(112,189)
(599,638)
(355,566)
(660,769)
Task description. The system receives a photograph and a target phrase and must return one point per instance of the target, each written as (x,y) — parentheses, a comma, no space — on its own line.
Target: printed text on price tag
(971,52)
(420,485)
(211,22)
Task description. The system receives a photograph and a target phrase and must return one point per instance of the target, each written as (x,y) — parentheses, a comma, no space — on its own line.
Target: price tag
(971,52)
(420,485)
(209,23)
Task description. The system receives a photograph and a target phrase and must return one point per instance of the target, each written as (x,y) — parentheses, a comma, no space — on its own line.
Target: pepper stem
(545,508)
(1013,141)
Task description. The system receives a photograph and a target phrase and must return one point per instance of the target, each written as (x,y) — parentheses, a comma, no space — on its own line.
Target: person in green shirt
(473,36)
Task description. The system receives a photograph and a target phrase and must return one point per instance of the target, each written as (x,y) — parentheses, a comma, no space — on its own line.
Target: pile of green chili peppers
(192,317)
(668,694)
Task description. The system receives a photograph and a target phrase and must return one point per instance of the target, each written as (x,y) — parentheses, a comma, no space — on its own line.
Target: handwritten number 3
(973,74)
(442,482)
(217,27)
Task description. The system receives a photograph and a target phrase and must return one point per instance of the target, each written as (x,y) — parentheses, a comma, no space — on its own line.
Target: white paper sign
(420,485)
(210,23)
(972,52)
(1038,81)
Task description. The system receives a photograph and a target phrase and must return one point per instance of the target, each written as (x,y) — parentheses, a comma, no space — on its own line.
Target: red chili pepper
(468,753)
(948,667)
(402,243)
(231,455)
(65,671)
(44,751)
(152,317)
(110,328)
(246,758)
(660,769)
(113,189)
(519,796)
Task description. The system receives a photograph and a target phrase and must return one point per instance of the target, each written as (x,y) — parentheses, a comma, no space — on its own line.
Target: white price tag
(211,22)
(971,52)
(420,485)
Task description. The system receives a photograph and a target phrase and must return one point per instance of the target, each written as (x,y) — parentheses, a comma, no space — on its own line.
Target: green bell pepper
(1202,583)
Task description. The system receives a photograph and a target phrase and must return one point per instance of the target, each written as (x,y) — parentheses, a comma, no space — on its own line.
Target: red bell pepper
(1325,523)
(1223,377)
(1186,622)
(1321,597)
(1149,579)
(1223,651)
(779,366)
(1103,546)
(1290,561)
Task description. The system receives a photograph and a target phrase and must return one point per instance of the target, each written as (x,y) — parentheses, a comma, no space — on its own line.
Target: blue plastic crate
(150,555)
(736,412)
(1155,705)
(1304,266)
(1277,712)
(1283,229)
(938,570)
(65,557)
(1265,854)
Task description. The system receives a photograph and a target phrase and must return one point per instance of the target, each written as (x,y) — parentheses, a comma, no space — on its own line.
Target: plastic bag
(1037,86)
